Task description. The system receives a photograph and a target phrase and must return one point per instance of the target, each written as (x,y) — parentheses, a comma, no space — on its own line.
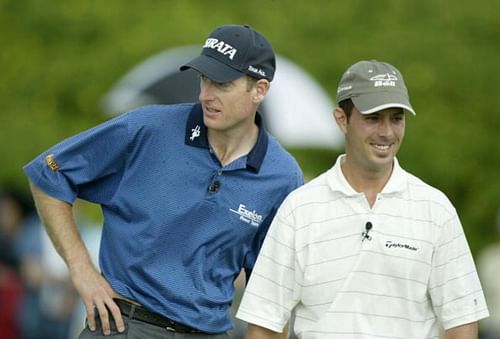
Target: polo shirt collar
(337,181)
(398,181)
(196,136)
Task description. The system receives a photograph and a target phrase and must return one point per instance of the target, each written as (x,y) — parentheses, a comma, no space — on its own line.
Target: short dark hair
(347,106)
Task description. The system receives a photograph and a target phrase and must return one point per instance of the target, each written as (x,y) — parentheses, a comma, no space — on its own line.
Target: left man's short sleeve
(88,165)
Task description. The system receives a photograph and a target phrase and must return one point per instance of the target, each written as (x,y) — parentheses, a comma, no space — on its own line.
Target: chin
(384,161)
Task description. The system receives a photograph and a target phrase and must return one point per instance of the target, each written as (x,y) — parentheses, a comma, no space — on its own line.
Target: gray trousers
(135,329)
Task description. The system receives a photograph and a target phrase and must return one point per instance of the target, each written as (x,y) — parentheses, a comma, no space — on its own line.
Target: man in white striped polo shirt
(366,250)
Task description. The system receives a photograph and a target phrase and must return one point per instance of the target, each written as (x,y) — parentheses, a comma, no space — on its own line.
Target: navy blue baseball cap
(232,51)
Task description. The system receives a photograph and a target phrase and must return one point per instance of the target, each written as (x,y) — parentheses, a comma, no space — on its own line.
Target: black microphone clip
(365,235)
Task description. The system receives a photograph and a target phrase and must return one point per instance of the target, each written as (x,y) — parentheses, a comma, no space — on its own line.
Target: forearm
(467,331)
(57,217)
(95,291)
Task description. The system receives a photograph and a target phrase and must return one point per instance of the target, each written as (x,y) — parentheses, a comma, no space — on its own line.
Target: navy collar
(196,136)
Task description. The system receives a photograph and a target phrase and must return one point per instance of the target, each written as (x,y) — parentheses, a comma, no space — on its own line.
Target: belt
(140,313)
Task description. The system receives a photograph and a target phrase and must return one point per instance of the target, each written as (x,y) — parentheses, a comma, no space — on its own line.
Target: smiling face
(372,140)
(230,105)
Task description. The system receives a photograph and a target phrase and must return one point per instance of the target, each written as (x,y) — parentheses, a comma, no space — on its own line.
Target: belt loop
(132,311)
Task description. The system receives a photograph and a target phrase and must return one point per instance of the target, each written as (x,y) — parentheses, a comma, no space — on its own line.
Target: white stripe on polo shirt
(413,274)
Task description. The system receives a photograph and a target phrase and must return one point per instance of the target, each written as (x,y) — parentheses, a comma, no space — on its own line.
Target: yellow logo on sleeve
(51,162)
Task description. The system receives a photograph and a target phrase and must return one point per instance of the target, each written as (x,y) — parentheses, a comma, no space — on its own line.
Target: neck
(231,145)
(369,182)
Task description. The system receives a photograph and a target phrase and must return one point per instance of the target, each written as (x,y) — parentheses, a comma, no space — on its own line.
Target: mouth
(381,147)
(211,111)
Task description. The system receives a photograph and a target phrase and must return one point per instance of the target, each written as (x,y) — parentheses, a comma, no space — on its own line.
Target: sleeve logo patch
(51,162)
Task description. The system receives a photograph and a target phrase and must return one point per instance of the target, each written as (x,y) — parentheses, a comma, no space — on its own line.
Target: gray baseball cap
(373,86)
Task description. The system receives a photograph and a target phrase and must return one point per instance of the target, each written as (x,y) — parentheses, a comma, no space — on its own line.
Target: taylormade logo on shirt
(221,47)
(390,244)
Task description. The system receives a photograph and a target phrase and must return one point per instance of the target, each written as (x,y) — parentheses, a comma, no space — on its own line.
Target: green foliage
(58,59)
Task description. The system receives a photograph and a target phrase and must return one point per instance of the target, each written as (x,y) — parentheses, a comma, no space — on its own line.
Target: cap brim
(371,103)
(212,69)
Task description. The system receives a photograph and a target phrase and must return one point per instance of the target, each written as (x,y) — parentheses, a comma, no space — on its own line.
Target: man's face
(228,105)
(373,140)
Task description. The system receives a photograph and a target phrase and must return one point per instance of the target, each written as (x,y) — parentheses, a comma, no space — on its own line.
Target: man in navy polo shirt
(187,193)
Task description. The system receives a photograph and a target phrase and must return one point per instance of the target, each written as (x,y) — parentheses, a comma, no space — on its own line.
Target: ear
(260,90)
(340,118)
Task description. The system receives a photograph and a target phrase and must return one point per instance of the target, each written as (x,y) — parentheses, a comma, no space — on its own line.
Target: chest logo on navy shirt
(250,217)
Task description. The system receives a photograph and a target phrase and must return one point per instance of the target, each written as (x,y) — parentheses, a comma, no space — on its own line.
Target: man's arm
(257,332)
(467,331)
(95,291)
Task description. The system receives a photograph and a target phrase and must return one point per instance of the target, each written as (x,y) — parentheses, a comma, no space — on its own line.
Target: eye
(203,79)
(223,85)
(399,117)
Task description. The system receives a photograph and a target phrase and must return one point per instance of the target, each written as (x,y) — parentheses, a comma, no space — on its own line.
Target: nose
(205,90)
(385,128)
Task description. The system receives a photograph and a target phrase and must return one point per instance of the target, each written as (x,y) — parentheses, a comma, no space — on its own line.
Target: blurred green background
(58,58)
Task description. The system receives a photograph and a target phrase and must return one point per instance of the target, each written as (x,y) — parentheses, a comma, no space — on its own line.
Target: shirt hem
(466,319)
(256,320)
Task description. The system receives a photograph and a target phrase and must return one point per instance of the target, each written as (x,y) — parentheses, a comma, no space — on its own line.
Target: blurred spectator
(21,249)
(488,265)
(10,280)
(37,301)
